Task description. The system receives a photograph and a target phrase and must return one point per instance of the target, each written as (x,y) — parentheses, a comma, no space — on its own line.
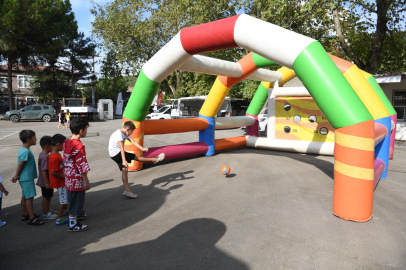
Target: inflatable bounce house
(340,111)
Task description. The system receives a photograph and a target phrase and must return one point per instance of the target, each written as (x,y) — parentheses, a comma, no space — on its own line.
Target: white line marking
(9,135)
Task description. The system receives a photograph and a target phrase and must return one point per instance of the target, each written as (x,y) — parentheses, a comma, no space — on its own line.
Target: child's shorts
(47,193)
(63,195)
(129,157)
(28,188)
(76,202)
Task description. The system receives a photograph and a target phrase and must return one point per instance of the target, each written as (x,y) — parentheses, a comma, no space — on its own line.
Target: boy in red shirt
(76,168)
(57,178)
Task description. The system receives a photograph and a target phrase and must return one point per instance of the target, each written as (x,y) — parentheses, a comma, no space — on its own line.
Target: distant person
(61,116)
(7,106)
(67,117)
(57,178)
(122,158)
(76,168)
(89,112)
(32,102)
(22,104)
(151,109)
(25,174)
(2,190)
(43,177)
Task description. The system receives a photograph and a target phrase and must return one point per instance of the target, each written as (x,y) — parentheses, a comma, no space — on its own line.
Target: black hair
(77,124)
(58,138)
(129,125)
(45,140)
(26,134)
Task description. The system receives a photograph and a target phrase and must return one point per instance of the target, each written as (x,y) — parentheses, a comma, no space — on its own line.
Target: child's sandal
(27,217)
(35,221)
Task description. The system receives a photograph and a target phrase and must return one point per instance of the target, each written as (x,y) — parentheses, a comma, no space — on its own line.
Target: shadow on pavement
(189,245)
(167,179)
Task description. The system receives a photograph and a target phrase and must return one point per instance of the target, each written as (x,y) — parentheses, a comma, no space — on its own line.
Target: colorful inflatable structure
(350,102)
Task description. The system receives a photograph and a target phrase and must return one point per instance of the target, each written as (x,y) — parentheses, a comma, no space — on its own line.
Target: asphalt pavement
(274,211)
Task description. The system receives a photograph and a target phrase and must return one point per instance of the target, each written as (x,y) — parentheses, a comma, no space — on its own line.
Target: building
(21,84)
(394,86)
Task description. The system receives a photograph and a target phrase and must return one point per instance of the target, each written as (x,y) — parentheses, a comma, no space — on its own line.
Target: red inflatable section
(213,36)
(178,151)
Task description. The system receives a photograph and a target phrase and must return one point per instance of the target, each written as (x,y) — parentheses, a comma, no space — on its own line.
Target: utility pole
(93,86)
(93,81)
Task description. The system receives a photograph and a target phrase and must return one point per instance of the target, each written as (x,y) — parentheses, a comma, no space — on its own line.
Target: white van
(190,107)
(162,113)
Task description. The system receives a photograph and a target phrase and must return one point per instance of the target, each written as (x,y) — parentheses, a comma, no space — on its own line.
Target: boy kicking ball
(122,158)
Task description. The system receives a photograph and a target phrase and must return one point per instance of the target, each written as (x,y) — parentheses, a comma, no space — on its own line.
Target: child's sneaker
(82,216)
(78,228)
(130,194)
(49,216)
(2,223)
(160,157)
(61,221)
(65,213)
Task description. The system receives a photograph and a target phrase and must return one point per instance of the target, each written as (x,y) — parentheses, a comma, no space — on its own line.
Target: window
(3,82)
(37,108)
(399,103)
(26,109)
(24,81)
(45,108)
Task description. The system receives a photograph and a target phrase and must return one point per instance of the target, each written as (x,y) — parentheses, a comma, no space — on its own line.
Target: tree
(369,33)
(78,49)
(30,29)
(137,29)
(112,80)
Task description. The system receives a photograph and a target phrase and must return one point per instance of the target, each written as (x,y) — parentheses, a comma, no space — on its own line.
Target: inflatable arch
(349,112)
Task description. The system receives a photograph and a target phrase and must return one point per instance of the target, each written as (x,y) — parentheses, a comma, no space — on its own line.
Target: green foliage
(135,30)
(32,31)
(369,33)
(78,50)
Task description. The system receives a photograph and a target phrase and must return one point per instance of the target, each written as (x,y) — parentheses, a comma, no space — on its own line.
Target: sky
(81,8)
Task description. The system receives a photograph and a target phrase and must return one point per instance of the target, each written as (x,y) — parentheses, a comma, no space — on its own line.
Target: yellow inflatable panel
(299,118)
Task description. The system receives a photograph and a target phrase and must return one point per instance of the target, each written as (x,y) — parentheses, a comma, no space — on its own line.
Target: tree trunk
(381,27)
(10,80)
(72,83)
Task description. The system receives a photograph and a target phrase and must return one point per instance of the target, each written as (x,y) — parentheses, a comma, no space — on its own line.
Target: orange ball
(225,170)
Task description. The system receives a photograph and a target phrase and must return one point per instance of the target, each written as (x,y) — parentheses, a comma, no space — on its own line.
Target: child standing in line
(76,168)
(2,190)
(122,158)
(43,178)
(57,178)
(25,174)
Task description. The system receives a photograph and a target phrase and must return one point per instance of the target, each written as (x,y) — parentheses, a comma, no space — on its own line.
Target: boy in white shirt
(122,158)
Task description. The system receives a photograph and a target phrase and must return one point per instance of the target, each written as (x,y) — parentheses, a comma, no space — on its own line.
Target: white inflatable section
(234,122)
(208,65)
(266,75)
(169,58)
(288,92)
(268,40)
(109,114)
(317,148)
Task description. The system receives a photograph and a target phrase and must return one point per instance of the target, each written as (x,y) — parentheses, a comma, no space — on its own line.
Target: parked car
(32,112)
(163,113)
